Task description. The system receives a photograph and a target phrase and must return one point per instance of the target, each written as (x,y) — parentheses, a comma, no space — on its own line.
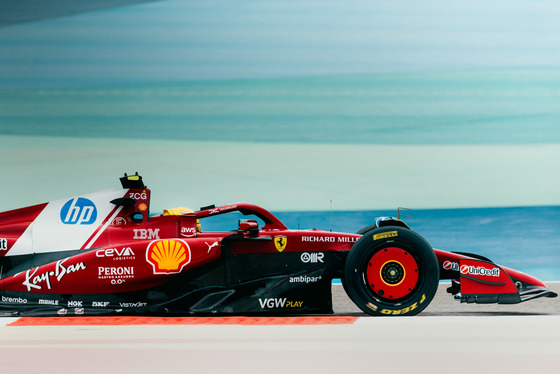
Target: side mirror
(249,226)
(136,217)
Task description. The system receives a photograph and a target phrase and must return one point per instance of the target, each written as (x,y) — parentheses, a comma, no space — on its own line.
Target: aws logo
(78,211)
(168,256)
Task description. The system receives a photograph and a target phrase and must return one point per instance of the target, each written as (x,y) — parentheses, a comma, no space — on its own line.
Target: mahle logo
(78,211)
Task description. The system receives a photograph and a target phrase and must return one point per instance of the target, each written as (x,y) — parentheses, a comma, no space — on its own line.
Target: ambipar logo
(78,211)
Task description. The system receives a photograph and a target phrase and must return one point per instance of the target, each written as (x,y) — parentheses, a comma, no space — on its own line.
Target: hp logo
(78,211)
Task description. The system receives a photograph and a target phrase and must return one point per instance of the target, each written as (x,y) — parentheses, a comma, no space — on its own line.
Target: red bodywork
(121,249)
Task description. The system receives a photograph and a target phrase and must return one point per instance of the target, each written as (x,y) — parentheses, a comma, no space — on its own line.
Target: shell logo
(168,256)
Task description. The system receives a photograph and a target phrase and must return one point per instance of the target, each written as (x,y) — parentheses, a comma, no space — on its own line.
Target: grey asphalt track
(446,337)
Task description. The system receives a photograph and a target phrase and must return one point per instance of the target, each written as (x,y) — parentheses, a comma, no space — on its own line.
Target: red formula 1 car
(104,254)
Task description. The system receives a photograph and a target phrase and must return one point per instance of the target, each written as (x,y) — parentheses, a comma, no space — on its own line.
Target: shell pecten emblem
(168,256)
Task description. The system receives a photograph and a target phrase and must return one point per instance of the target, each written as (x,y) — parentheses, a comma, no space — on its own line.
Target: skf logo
(3,244)
(280,242)
(78,211)
(168,256)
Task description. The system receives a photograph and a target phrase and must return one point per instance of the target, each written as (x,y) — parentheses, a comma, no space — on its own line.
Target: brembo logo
(480,270)
(16,300)
(78,211)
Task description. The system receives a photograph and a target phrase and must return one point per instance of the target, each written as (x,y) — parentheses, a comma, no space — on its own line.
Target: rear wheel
(391,271)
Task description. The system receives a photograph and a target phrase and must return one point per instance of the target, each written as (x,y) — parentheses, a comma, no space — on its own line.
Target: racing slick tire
(366,229)
(391,271)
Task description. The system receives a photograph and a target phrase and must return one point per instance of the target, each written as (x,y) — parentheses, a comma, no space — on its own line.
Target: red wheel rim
(392,273)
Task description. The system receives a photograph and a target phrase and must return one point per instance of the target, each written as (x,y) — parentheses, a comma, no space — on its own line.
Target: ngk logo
(480,270)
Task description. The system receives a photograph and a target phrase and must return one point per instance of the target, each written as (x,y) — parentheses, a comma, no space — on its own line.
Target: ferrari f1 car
(104,254)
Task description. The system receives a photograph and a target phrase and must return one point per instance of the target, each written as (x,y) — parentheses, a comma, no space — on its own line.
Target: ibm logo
(78,211)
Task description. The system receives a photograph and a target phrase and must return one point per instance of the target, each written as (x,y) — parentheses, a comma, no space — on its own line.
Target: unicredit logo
(480,270)
(448,265)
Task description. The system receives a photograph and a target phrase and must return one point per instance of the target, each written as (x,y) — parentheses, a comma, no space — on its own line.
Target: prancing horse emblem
(280,242)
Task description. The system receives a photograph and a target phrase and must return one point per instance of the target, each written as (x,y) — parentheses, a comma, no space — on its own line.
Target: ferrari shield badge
(280,242)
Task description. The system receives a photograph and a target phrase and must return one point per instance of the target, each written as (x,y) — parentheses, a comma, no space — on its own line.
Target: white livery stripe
(107,223)
(68,224)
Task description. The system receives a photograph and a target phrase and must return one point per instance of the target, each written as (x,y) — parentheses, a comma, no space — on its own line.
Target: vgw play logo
(78,211)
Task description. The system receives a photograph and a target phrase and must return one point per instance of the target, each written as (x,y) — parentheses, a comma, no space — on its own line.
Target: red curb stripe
(123,321)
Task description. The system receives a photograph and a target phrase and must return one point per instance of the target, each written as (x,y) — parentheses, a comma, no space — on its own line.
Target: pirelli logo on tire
(385,235)
(396,312)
